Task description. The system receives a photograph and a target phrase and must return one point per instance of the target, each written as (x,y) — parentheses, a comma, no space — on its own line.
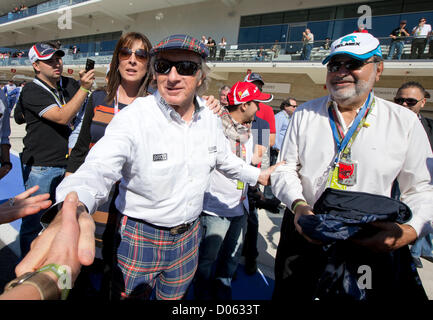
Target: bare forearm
(65,114)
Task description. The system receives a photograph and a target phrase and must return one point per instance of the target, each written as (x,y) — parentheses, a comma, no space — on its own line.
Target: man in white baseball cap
(353,141)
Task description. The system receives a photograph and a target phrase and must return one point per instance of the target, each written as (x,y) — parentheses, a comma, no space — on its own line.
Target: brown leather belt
(182,228)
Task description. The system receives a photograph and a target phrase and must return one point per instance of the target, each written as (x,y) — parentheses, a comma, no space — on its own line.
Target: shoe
(417,262)
(250,266)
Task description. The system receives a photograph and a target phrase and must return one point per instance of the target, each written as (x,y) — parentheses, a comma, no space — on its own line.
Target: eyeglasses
(184,68)
(353,64)
(140,54)
(291,105)
(410,102)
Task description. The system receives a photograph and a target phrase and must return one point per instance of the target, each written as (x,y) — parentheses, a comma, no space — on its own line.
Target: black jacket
(428,127)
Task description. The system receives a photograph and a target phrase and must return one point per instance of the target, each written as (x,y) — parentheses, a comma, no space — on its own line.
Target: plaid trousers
(149,258)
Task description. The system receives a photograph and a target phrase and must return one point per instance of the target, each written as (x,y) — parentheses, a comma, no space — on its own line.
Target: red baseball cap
(243,92)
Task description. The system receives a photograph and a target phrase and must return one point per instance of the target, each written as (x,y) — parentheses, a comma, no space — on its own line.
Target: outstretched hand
(213,104)
(23,205)
(265,175)
(68,240)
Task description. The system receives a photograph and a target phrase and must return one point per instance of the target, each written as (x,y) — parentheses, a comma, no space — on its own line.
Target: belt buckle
(179,229)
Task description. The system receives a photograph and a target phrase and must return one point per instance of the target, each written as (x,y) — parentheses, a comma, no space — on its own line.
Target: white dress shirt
(223,198)
(421,32)
(394,145)
(163,163)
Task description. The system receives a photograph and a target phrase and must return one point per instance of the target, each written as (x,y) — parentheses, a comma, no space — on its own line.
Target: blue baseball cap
(360,46)
(182,42)
(251,77)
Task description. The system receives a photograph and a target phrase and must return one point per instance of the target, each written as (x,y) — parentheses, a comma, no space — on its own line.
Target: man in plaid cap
(162,148)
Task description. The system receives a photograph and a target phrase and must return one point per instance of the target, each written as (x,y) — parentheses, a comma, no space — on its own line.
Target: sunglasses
(353,64)
(140,54)
(184,68)
(410,102)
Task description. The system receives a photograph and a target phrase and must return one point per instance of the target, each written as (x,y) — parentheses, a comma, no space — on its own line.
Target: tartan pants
(150,260)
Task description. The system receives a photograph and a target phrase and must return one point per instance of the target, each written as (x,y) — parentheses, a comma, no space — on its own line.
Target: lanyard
(39,83)
(116,103)
(353,131)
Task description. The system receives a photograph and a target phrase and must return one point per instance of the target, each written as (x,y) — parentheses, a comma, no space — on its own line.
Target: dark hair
(286,102)
(114,76)
(414,84)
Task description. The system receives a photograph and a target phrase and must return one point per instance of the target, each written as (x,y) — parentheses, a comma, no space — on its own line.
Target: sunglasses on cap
(140,54)
(352,64)
(184,68)
(410,102)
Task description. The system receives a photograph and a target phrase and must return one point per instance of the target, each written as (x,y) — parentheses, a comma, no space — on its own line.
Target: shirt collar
(48,86)
(171,114)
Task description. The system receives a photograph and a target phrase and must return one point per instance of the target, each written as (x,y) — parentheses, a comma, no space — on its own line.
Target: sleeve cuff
(250,174)
(421,226)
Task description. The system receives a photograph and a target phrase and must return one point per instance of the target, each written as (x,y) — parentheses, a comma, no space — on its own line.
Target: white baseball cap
(357,45)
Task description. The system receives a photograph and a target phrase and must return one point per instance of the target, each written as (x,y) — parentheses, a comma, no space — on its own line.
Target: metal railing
(285,52)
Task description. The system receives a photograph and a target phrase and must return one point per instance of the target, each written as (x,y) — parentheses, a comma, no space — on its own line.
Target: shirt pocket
(165,172)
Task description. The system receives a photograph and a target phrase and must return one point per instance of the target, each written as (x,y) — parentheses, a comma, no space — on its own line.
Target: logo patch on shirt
(212,149)
(160,157)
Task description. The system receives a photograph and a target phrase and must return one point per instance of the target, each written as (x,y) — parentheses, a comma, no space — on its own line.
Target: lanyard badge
(345,170)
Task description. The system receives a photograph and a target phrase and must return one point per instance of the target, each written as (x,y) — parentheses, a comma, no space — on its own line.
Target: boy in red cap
(225,205)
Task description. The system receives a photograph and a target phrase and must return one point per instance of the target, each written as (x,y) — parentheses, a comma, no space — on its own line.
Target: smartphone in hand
(90,64)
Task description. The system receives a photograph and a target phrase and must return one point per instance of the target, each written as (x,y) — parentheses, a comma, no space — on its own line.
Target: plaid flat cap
(182,42)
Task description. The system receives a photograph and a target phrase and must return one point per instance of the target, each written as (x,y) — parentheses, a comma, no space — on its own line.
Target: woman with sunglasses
(126,79)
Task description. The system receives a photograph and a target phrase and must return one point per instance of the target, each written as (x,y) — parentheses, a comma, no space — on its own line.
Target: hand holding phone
(90,64)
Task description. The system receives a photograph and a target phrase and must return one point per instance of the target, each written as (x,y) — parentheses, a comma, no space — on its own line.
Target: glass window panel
(417,5)
(386,7)
(250,21)
(295,16)
(383,26)
(248,35)
(295,33)
(321,30)
(272,18)
(347,11)
(268,34)
(318,14)
(344,26)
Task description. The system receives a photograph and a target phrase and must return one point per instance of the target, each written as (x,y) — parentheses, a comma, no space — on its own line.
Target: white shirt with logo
(163,163)
(393,146)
